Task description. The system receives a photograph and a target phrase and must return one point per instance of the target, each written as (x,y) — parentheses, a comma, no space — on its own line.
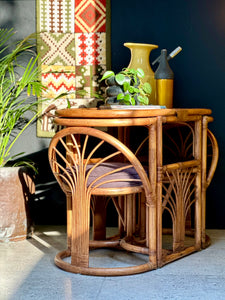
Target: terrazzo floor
(27,271)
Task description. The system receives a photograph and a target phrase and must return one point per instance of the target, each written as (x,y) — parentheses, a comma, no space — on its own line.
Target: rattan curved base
(104,244)
(100,271)
(134,248)
(207,242)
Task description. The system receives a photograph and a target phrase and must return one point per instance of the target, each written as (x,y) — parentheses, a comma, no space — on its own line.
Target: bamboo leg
(142,217)
(125,213)
(130,204)
(159,161)
(134,213)
(153,236)
(198,194)
(151,233)
(204,167)
(99,218)
(121,220)
(80,226)
(69,219)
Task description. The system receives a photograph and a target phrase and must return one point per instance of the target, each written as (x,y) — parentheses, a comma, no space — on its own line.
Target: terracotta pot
(16,189)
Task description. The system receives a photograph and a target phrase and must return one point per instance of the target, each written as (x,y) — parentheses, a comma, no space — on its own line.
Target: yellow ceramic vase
(140,54)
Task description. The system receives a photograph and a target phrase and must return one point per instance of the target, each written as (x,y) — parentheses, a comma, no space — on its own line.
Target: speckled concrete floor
(27,271)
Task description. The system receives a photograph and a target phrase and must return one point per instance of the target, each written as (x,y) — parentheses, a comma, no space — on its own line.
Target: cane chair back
(179,189)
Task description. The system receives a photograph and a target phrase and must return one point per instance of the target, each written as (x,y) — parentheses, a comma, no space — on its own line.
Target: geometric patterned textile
(58,79)
(90,48)
(90,16)
(73,43)
(57,48)
(55,16)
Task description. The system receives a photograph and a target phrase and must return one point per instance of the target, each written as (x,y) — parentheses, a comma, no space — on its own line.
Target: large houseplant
(17,84)
(19,90)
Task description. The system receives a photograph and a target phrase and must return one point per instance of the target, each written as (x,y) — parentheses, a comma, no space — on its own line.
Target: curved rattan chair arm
(215,157)
(113,141)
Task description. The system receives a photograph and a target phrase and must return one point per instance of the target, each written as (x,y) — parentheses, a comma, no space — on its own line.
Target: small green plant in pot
(126,87)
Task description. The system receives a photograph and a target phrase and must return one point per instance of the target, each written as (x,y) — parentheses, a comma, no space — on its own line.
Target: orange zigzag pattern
(58,75)
(57,88)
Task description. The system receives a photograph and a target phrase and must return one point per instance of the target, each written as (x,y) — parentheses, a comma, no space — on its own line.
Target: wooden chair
(74,158)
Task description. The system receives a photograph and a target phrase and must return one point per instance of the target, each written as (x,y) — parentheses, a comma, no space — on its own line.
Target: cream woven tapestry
(73,43)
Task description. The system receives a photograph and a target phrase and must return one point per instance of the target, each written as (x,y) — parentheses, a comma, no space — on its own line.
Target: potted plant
(127,87)
(19,87)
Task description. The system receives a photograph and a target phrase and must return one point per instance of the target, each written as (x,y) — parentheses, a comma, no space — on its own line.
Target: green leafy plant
(127,87)
(17,86)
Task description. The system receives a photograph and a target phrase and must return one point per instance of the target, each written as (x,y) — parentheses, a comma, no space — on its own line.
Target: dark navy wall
(198,26)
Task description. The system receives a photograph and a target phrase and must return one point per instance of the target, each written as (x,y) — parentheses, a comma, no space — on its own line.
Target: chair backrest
(178,146)
(76,153)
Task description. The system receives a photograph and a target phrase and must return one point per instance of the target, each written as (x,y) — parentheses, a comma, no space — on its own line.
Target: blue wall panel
(199,28)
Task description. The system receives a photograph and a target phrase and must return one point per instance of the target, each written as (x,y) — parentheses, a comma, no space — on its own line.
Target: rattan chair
(179,189)
(74,158)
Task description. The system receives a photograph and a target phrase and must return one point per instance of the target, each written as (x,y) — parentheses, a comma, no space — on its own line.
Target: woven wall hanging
(73,43)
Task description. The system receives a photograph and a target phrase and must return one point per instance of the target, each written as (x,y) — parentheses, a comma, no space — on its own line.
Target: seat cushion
(121,176)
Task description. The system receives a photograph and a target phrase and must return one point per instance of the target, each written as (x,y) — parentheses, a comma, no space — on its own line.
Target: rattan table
(179,187)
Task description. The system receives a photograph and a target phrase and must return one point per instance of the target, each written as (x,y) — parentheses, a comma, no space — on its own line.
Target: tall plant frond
(17,86)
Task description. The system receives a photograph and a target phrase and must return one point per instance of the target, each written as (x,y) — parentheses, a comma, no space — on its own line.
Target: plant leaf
(68,103)
(143,99)
(126,102)
(132,101)
(131,89)
(136,90)
(17,83)
(107,74)
(126,86)
(147,88)
(140,73)
(120,96)
(127,98)
(131,71)
(120,79)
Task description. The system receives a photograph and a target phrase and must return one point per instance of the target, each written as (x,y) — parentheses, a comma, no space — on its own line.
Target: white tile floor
(27,271)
